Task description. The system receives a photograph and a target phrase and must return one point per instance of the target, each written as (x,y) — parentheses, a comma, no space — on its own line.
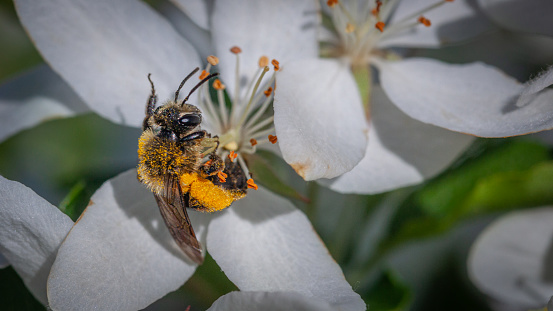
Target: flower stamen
(203,75)
(273,139)
(232,155)
(251,184)
(222,176)
(253,142)
(380,26)
(425,21)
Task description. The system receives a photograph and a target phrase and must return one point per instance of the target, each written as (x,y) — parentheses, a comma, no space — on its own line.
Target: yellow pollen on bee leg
(236,50)
(350,28)
(251,184)
(232,156)
(263,61)
(272,139)
(425,21)
(276,64)
(222,177)
(218,85)
(253,142)
(332,3)
(203,75)
(268,91)
(213,60)
(380,26)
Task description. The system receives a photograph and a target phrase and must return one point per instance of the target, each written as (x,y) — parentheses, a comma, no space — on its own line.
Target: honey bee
(179,164)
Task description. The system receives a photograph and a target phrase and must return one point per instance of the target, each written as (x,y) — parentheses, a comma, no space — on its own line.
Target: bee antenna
(199,84)
(184,81)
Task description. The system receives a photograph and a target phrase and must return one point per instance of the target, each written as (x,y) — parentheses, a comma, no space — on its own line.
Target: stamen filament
(210,108)
(259,125)
(222,108)
(260,111)
(415,15)
(262,133)
(243,166)
(246,111)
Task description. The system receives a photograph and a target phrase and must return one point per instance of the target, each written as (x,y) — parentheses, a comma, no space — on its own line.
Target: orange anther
(233,155)
(213,60)
(203,75)
(425,21)
(332,3)
(268,91)
(275,64)
(222,176)
(263,61)
(272,139)
(380,26)
(236,50)
(251,184)
(253,142)
(350,28)
(376,10)
(218,85)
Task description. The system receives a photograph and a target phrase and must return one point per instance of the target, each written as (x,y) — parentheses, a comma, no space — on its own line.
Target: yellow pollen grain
(350,28)
(236,50)
(203,75)
(213,60)
(272,139)
(263,61)
(218,85)
(251,184)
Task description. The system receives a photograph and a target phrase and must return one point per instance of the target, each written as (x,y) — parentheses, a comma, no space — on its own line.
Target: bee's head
(176,118)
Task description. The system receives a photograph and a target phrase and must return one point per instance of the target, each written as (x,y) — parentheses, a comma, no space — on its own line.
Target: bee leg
(213,166)
(193,136)
(212,144)
(150,105)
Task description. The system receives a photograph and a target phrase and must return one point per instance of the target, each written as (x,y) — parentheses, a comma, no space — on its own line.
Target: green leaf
(505,191)
(264,166)
(388,293)
(449,192)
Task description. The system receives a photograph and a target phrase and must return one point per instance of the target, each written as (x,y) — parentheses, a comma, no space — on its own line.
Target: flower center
(360,25)
(241,122)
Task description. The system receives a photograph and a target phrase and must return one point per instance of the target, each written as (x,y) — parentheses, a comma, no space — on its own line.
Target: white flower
(119,255)
(419,113)
(511,260)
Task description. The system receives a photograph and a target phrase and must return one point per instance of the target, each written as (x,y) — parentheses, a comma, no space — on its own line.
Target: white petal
(31,231)
(268,301)
(451,22)
(34,97)
(197,10)
(105,49)
(263,243)
(401,151)
(472,98)
(119,255)
(533,16)
(3,262)
(284,30)
(319,119)
(199,37)
(534,87)
(511,259)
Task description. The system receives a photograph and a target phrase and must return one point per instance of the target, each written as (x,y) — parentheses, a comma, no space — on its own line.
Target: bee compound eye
(190,120)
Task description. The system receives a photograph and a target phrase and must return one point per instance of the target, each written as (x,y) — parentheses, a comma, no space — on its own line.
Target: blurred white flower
(419,111)
(119,255)
(511,261)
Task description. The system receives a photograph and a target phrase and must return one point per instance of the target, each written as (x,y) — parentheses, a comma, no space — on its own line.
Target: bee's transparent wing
(173,210)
